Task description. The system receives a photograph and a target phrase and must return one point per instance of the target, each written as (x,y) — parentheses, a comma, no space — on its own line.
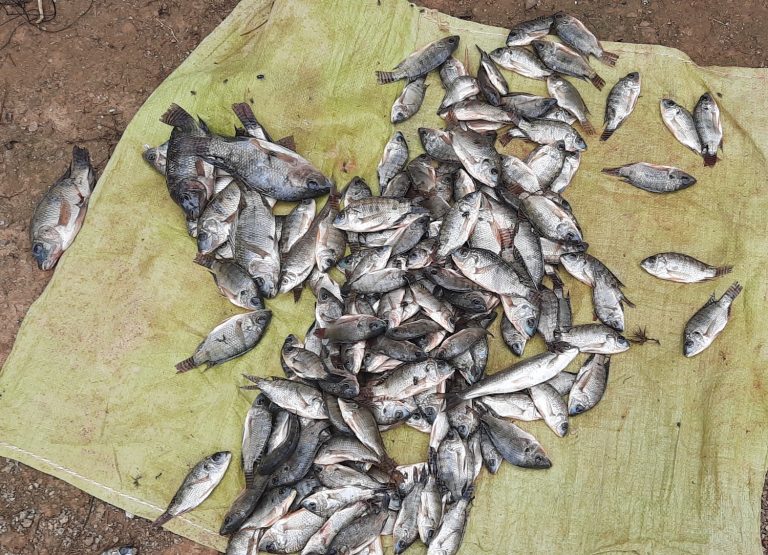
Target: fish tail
(589,129)
(320,332)
(204,260)
(710,160)
(597,81)
(626,301)
(297,293)
(612,171)
(722,270)
(505,138)
(733,291)
(186,365)
(162,519)
(81,158)
(384,77)
(607,134)
(245,114)
(609,58)
(176,116)
(287,142)
(453,399)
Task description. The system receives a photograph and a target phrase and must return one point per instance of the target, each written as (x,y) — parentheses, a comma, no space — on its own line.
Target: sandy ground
(80,78)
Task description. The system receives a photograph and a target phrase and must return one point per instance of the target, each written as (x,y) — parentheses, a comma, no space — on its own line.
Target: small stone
(88,541)
(26,523)
(32,127)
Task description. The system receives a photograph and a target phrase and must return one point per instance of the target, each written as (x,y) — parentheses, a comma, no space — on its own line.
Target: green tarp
(671,461)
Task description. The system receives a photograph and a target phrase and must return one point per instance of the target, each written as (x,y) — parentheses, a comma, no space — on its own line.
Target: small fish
(477,155)
(156,156)
(490,272)
(547,162)
(594,338)
(197,486)
(458,224)
(243,505)
(216,221)
(257,428)
(295,225)
(298,398)
(344,448)
(704,326)
(291,533)
(608,301)
(336,522)
(436,143)
(552,408)
(550,219)
(409,101)
(255,242)
(576,35)
(59,215)
(517,446)
(462,88)
(514,339)
(570,167)
(528,31)
(517,406)
(680,123)
(450,70)
(359,533)
(561,59)
(490,79)
(545,131)
(653,178)
(528,105)
(406,529)
(521,61)
(421,61)
(393,159)
(590,384)
(330,242)
(621,102)
(517,173)
(569,98)
(352,328)
(313,434)
(410,379)
(356,189)
(706,116)
(235,336)
(682,268)
(233,282)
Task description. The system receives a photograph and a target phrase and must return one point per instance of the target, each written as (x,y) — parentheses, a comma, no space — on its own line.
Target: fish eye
(494,171)
(346,386)
(330,261)
(688,343)
(398,414)
(530,322)
(571,236)
(651,259)
(151,156)
(270,547)
(260,281)
(579,408)
(255,301)
(311,505)
(312,184)
(478,302)
(462,430)
(37,249)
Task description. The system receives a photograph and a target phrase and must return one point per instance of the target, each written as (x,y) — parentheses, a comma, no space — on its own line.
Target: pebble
(32,127)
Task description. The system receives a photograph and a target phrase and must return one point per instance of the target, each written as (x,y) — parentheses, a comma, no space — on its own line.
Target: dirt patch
(80,79)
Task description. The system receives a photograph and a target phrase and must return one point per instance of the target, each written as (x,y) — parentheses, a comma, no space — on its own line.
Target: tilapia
(291,533)
(215,223)
(59,215)
(436,143)
(561,59)
(233,282)
(551,406)
(517,446)
(527,31)
(462,88)
(256,431)
(706,116)
(653,178)
(569,98)
(156,156)
(450,70)
(594,338)
(409,101)
(521,61)
(680,123)
(298,398)
(673,266)
(235,336)
(576,35)
(197,486)
(704,326)
(590,384)
(296,224)
(621,102)
(255,241)
(421,61)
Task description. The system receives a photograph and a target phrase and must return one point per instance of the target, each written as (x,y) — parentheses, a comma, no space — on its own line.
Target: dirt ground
(81,76)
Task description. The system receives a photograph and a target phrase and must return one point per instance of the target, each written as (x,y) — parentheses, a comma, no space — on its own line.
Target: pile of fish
(453,235)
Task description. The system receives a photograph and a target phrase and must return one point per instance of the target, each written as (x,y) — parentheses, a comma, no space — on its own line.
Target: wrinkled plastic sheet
(671,461)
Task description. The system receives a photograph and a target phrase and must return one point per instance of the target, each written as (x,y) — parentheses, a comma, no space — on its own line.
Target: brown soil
(81,77)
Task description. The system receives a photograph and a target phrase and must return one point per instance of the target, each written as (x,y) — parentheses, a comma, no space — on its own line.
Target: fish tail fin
(722,270)
(297,293)
(384,77)
(320,332)
(453,399)
(81,158)
(606,134)
(589,129)
(597,81)
(505,139)
(710,160)
(733,291)
(608,58)
(186,365)
(245,114)
(626,301)
(612,171)
(334,198)
(204,260)
(288,142)
(162,519)
(176,116)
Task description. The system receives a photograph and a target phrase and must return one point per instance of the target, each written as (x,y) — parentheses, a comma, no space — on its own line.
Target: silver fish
(233,282)
(295,225)
(421,61)
(254,236)
(704,326)
(197,486)
(552,408)
(462,88)
(527,31)
(569,98)
(436,143)
(547,162)
(561,59)
(517,446)
(216,221)
(295,397)
(59,215)
(594,338)
(409,101)
(458,224)
(321,540)
(570,167)
(653,178)
(451,70)
(451,532)
(576,35)
(256,431)
(291,533)
(673,266)
(621,102)
(590,384)
(706,116)
(521,61)
(156,156)
(545,131)
(680,123)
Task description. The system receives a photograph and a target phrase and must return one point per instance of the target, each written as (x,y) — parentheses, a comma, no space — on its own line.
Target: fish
(296,224)
(452,464)
(513,338)
(709,321)
(409,101)
(561,59)
(451,532)
(586,268)
(356,189)
(344,448)
(189,178)
(406,528)
(462,88)
(522,375)
(436,143)
(338,521)
(197,486)
(291,533)
(409,379)
(243,505)
(570,167)
(680,123)
(546,162)
(298,398)
(673,266)
(232,338)
(421,62)
(393,159)
(515,172)
(528,31)
(706,117)
(330,242)
(361,532)
(517,406)
(233,282)
(576,35)
(520,60)
(215,224)
(257,428)
(590,384)
(491,81)
(545,131)
(594,338)
(568,97)
(313,434)
(156,156)
(451,69)
(527,105)
(458,224)
(362,423)
(621,103)
(283,441)
(608,301)
(60,214)
(551,407)
(490,272)
(477,155)
(653,178)
(255,242)
(517,446)
(550,219)
(352,328)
